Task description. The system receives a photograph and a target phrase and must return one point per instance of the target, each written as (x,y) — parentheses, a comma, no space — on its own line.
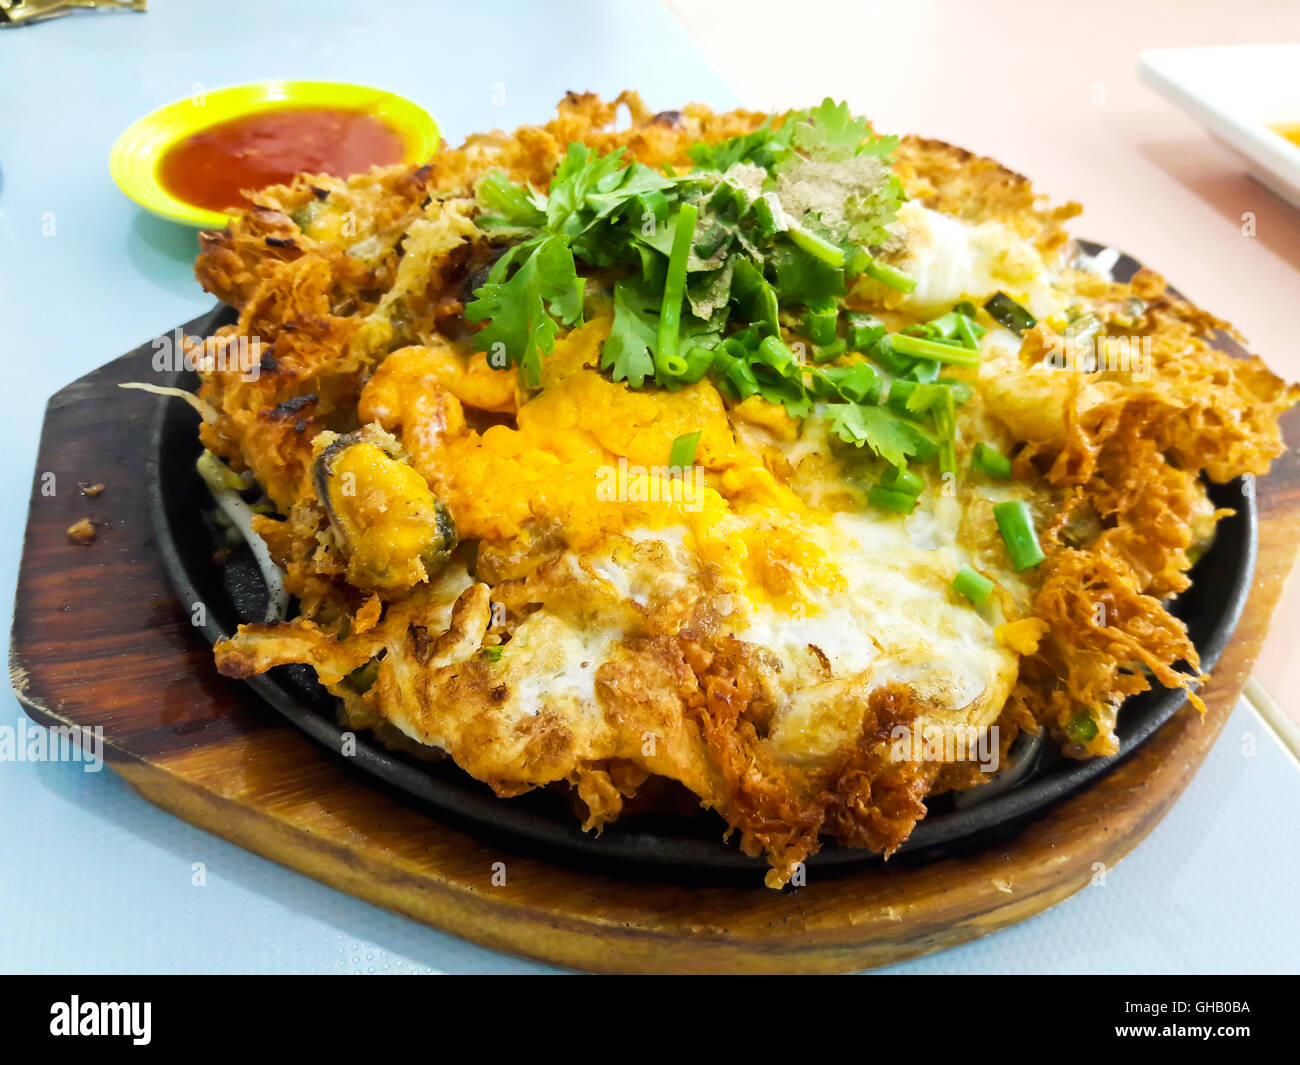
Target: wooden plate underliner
(100,639)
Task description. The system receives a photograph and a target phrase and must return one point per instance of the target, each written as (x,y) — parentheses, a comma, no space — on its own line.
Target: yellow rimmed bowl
(133,162)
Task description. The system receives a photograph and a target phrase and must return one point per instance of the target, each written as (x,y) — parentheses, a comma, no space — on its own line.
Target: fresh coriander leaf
(578,176)
(708,291)
(636,182)
(893,438)
(754,296)
(629,349)
(524,313)
(829,131)
(516,206)
(803,278)
(762,147)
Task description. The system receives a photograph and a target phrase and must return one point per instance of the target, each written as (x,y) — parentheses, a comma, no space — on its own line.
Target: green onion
(901,479)
(857,383)
(925,370)
(1082,727)
(888,499)
(884,352)
(774,352)
(667,361)
(1006,311)
(864,330)
(973,585)
(966,330)
(492,654)
(945,424)
(930,349)
(924,446)
(990,460)
(825,352)
(887,275)
(900,391)
(699,360)
(1017,529)
(815,246)
(682,454)
(857,262)
(733,367)
(820,321)
(945,325)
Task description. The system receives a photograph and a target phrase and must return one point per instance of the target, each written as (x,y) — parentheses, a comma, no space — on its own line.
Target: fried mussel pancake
(517,579)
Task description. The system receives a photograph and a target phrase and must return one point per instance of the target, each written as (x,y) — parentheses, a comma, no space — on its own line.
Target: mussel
(395,531)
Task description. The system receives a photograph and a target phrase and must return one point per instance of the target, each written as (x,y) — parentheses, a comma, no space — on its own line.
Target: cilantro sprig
(703,268)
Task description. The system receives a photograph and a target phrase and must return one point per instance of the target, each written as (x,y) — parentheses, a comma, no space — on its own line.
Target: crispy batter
(356,290)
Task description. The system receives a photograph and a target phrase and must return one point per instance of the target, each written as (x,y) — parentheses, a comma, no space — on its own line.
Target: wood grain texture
(99,639)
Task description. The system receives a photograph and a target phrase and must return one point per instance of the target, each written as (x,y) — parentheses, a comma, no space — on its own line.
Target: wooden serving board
(100,639)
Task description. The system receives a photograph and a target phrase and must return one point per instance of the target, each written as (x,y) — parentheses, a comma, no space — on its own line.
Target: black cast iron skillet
(680,848)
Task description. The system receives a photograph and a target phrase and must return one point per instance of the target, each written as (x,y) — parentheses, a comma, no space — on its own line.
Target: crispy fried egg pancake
(746,624)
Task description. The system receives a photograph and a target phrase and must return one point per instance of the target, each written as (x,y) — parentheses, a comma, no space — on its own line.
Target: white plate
(1237,93)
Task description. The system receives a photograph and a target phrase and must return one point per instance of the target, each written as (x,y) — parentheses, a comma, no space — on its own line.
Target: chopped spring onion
(990,460)
(667,361)
(824,250)
(900,391)
(864,330)
(883,352)
(1082,727)
(1017,528)
(901,479)
(925,370)
(921,442)
(776,353)
(731,360)
(972,584)
(858,383)
(930,349)
(887,275)
(825,352)
(1006,311)
(888,499)
(944,414)
(683,450)
(699,360)
(969,331)
(492,654)
(945,325)
(820,321)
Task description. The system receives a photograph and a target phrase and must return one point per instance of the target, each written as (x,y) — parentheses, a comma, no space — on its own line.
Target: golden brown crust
(356,291)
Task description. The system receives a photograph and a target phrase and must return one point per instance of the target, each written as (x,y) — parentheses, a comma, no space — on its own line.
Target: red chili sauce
(209,168)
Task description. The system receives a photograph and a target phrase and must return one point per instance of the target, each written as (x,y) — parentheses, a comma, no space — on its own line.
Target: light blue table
(94,879)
